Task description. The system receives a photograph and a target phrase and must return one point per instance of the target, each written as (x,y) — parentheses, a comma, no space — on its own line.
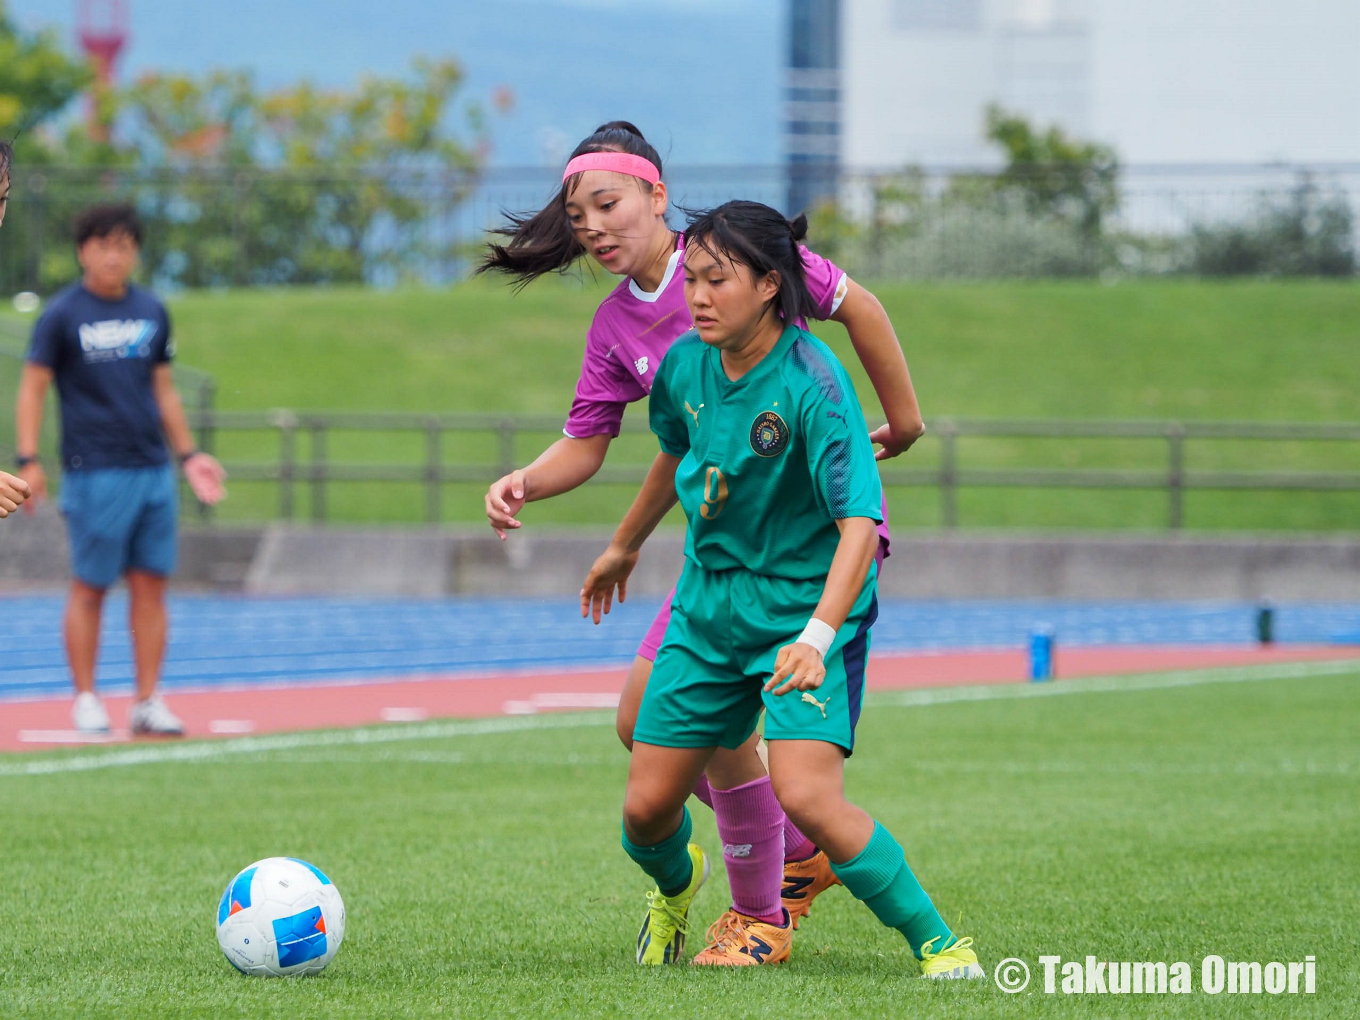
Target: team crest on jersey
(769,434)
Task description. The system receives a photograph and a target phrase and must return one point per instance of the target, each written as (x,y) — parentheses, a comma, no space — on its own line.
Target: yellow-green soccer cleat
(956,960)
(662,937)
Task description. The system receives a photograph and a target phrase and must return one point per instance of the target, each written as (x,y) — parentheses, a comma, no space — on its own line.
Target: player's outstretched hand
(504,499)
(13,491)
(800,668)
(610,570)
(892,444)
(205,477)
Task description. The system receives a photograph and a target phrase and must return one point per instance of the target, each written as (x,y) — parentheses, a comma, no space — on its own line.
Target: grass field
(482,873)
(1255,350)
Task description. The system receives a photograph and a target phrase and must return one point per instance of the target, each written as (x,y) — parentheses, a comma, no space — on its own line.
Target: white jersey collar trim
(655,296)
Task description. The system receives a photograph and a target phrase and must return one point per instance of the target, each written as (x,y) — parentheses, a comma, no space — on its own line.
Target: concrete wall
(34,553)
(283,559)
(1101,566)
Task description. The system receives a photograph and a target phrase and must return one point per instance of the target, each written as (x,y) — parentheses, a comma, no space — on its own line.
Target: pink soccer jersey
(633,330)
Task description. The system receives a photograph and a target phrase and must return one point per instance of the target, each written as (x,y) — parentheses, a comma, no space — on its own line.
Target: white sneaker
(151,716)
(88,714)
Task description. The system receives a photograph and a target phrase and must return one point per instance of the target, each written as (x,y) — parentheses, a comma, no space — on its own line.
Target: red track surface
(35,725)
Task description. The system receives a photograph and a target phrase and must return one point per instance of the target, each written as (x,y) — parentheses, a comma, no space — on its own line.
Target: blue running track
(218,640)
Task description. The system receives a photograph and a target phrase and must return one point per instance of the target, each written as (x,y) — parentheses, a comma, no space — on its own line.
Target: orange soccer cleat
(804,881)
(736,940)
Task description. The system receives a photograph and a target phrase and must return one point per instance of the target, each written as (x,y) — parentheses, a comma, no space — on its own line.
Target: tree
(1057,175)
(1307,232)
(1041,215)
(37,79)
(239,185)
(293,185)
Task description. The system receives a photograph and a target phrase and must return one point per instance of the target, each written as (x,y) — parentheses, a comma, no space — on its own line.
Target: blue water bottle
(1041,654)
(1265,623)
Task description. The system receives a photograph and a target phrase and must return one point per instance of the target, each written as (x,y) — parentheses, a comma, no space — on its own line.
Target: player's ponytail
(763,241)
(6,157)
(543,242)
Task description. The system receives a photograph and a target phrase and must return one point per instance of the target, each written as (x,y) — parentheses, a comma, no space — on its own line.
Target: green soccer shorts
(726,628)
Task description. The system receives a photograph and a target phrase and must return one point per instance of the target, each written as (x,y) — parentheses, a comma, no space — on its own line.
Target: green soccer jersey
(769,462)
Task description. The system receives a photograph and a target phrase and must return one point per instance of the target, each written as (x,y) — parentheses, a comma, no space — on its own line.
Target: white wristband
(819,635)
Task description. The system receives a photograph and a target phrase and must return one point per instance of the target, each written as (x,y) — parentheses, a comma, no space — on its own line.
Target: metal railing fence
(315,470)
(262,226)
(292,450)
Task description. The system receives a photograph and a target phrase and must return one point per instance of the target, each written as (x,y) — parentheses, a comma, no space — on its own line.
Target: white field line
(1283,768)
(1115,684)
(75,737)
(215,750)
(123,688)
(218,749)
(510,756)
(611,756)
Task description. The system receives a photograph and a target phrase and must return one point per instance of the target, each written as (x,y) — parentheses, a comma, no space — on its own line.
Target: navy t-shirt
(102,354)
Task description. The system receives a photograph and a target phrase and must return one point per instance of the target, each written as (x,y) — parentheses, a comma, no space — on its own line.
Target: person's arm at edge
(14,491)
(876,345)
(28,414)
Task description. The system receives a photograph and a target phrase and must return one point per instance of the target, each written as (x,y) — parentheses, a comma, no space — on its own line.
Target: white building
(1163,81)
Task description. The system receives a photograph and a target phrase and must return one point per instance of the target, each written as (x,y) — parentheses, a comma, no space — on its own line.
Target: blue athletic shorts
(120,519)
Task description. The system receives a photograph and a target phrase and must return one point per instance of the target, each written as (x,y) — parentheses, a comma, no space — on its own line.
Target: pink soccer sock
(751,827)
(703,791)
(797,847)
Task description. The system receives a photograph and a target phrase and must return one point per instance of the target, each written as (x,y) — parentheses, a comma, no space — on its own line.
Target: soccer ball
(281,916)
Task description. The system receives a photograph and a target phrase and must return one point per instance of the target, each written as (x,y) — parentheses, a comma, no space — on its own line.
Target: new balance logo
(758,949)
(794,888)
(808,699)
(117,338)
(641,365)
(736,849)
(694,411)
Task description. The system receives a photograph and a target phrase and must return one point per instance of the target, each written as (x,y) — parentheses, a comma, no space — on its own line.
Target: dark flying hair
(6,157)
(103,220)
(761,240)
(544,242)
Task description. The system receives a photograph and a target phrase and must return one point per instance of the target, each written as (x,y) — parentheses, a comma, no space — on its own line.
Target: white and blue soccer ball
(280,916)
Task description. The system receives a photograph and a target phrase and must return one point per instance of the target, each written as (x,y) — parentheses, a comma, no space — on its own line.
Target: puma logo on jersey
(834,414)
(694,411)
(810,700)
(641,365)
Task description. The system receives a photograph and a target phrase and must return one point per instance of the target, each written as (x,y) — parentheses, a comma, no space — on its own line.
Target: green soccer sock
(879,877)
(668,862)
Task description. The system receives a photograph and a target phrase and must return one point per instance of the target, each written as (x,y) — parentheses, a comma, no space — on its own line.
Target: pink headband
(618,162)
